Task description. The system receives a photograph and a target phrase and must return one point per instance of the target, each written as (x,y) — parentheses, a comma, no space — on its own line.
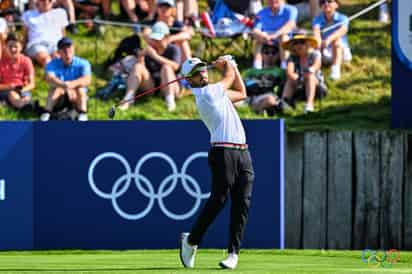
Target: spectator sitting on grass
(42,28)
(159,66)
(179,33)
(274,24)
(68,77)
(16,75)
(303,71)
(334,42)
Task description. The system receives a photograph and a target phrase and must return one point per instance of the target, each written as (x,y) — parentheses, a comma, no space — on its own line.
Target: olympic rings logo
(145,187)
(380,258)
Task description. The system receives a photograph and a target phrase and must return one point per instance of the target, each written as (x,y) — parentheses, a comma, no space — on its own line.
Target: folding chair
(227,30)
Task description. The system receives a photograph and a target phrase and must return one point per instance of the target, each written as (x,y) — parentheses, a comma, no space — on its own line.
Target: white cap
(167,2)
(189,64)
(159,31)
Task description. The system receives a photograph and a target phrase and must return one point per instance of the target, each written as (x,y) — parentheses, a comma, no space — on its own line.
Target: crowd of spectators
(169,25)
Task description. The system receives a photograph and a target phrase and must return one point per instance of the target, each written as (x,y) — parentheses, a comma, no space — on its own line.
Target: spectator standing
(274,24)
(16,74)
(334,43)
(68,77)
(43,27)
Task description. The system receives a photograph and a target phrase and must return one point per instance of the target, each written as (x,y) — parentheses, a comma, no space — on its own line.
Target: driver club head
(111,112)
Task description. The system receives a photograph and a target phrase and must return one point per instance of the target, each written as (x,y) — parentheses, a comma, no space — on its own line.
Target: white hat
(189,65)
(167,2)
(159,31)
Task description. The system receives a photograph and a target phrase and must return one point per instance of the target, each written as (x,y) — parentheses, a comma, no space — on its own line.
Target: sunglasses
(298,42)
(322,2)
(197,71)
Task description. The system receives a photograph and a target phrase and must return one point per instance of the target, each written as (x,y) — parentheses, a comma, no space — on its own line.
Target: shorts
(327,55)
(43,46)
(4,95)
(303,11)
(64,102)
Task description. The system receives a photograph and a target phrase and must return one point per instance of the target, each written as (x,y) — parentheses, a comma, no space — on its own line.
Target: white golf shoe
(187,251)
(230,262)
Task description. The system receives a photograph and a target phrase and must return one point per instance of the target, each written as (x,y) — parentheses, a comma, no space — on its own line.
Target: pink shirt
(17,73)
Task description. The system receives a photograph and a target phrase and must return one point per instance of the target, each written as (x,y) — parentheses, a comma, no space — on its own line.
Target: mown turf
(167,261)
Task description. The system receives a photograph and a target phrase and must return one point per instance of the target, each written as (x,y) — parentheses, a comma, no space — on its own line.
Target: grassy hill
(360,100)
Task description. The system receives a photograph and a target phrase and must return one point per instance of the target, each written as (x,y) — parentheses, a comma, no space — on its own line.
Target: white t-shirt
(219,114)
(45,27)
(3,25)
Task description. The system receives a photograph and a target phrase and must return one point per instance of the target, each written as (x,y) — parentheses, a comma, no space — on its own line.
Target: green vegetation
(360,100)
(167,261)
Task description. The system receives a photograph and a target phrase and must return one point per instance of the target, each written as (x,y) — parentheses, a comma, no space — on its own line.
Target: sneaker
(347,54)
(170,103)
(335,72)
(309,109)
(230,262)
(45,117)
(72,28)
(82,117)
(187,251)
(384,17)
(383,13)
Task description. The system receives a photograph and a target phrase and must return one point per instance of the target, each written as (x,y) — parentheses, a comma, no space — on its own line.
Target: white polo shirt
(45,27)
(219,115)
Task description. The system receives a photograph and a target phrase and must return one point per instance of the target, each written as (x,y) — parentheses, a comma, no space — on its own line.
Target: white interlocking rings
(144,185)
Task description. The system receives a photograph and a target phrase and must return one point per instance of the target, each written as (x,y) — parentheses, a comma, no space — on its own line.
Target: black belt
(231,145)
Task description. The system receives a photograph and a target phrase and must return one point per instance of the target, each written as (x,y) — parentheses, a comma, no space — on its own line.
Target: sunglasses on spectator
(322,2)
(298,42)
(269,51)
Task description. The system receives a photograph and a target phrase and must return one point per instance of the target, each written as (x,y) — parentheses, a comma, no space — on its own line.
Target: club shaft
(151,90)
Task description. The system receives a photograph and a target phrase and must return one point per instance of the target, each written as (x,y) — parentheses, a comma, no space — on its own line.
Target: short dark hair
(13,37)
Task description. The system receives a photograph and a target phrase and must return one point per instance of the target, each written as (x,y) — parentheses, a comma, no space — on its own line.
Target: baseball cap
(159,31)
(64,42)
(166,2)
(189,65)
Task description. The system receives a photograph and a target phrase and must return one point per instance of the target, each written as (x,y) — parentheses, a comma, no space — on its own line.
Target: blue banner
(16,185)
(128,185)
(401,63)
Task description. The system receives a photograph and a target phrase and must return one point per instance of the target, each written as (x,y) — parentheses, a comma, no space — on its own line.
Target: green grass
(167,261)
(360,100)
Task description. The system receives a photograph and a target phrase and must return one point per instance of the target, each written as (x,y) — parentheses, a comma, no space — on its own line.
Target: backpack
(128,46)
(260,81)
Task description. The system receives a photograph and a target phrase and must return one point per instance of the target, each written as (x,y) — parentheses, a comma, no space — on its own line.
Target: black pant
(232,173)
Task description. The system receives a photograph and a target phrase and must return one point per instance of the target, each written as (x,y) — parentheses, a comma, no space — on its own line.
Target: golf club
(112,111)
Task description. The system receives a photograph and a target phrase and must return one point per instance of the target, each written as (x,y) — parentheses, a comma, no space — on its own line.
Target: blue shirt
(78,68)
(337,17)
(268,21)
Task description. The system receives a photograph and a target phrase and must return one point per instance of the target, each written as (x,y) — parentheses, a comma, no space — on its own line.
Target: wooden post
(314,190)
(293,190)
(366,223)
(392,144)
(339,218)
(407,203)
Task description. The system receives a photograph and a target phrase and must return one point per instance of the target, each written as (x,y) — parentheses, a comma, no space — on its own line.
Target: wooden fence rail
(348,190)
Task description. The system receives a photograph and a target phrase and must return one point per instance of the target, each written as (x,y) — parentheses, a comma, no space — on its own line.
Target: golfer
(229,158)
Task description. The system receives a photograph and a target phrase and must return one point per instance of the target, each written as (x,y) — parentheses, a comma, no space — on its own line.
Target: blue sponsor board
(16,185)
(401,64)
(124,185)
